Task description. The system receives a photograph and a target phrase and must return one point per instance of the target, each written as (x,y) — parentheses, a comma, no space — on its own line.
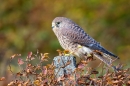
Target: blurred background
(25,25)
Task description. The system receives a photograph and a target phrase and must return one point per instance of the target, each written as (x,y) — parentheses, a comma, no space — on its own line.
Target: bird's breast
(68,44)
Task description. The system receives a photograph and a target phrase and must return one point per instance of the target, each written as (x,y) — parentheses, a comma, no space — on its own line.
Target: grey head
(61,23)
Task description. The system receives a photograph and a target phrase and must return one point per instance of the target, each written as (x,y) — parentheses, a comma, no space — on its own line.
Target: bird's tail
(107,60)
(103,59)
(109,53)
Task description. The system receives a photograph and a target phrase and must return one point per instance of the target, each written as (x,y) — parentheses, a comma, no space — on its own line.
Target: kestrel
(73,38)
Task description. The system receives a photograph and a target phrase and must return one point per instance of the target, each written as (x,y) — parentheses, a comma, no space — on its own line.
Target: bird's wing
(78,35)
(102,49)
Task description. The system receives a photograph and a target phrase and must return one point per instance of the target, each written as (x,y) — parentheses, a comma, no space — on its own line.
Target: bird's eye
(58,22)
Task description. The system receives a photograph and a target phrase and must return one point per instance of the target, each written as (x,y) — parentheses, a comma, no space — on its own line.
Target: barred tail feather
(105,59)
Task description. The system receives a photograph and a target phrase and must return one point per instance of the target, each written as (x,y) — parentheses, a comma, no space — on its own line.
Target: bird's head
(61,23)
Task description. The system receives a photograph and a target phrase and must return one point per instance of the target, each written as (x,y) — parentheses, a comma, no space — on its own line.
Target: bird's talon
(79,46)
(67,54)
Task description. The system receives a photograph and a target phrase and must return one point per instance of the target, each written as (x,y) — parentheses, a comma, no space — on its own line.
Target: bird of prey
(71,36)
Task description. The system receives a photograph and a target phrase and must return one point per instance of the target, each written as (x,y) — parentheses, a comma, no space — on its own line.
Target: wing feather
(78,35)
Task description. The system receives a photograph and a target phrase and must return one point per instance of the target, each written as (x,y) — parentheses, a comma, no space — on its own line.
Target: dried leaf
(2,78)
(60,78)
(20,84)
(81,66)
(11,83)
(60,52)
(26,83)
(13,56)
(37,82)
(44,71)
(19,74)
(94,72)
(20,61)
(44,56)
(29,54)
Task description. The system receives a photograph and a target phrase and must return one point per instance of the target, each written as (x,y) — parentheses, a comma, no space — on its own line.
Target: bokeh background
(25,25)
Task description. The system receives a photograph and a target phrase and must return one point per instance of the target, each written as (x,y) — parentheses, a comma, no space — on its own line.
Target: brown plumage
(70,36)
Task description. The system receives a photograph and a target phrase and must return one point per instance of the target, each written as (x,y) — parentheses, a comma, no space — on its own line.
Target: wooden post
(64,66)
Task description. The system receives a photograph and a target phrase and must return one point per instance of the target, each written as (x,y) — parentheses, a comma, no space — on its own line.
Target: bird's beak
(53,25)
